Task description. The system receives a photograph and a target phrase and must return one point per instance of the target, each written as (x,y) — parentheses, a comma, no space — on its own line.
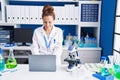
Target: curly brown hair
(48,11)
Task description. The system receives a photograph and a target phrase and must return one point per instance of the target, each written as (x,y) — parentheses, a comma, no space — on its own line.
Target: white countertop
(23,73)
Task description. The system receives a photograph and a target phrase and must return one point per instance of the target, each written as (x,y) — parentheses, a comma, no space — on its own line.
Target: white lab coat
(55,39)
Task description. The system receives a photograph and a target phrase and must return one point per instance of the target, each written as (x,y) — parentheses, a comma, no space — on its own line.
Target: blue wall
(107,26)
(66,28)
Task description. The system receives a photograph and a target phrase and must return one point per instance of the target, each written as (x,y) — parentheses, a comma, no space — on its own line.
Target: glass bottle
(2,62)
(117,71)
(81,42)
(86,41)
(103,62)
(75,40)
(11,61)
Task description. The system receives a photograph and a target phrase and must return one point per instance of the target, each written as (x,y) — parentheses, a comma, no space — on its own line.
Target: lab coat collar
(53,32)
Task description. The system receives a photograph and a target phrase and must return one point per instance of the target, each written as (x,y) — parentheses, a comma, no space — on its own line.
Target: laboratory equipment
(2,62)
(82,42)
(103,60)
(68,41)
(72,59)
(100,77)
(103,63)
(111,59)
(117,71)
(75,40)
(11,61)
(104,73)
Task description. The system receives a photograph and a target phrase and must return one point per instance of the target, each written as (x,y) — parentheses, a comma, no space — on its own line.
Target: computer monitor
(23,36)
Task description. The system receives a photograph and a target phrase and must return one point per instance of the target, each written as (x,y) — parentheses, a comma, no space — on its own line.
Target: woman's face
(48,22)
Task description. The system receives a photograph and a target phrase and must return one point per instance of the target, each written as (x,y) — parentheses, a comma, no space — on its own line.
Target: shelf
(97,48)
(17,48)
(63,10)
(86,55)
(93,24)
(22,56)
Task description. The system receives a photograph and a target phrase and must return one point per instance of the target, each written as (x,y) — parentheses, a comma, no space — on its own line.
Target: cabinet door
(64,55)
(89,23)
(86,56)
(118,7)
(2,11)
(89,56)
(116,43)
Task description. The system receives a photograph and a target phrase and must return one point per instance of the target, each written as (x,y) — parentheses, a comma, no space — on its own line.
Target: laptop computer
(44,63)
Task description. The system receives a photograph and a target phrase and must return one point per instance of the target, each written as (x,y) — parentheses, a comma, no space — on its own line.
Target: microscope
(72,59)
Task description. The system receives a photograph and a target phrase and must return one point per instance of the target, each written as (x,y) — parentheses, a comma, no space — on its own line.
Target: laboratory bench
(22,73)
(87,55)
(84,72)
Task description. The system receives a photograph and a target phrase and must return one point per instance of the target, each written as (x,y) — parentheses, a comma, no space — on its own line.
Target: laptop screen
(42,63)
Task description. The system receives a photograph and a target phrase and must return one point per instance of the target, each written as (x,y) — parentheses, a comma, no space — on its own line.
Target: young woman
(47,39)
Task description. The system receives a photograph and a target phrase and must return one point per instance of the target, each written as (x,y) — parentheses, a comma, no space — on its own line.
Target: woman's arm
(35,46)
(58,47)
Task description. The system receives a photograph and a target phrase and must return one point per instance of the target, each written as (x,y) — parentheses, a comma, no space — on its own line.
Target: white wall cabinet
(87,55)
(84,14)
(89,18)
(2,10)
(116,45)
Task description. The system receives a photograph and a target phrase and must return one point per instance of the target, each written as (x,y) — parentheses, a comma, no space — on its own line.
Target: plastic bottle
(75,40)
(103,61)
(117,71)
(94,42)
(86,41)
(2,62)
(68,41)
(82,42)
(11,61)
(103,67)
